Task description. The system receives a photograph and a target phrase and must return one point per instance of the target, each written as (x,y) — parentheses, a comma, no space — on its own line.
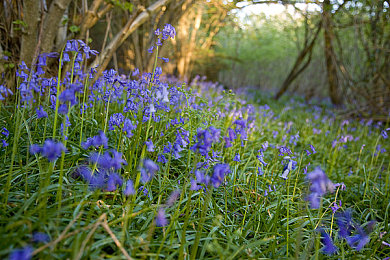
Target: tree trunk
(29,37)
(52,22)
(331,69)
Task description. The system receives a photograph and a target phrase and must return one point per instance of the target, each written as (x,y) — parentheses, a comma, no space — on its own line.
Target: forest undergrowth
(145,166)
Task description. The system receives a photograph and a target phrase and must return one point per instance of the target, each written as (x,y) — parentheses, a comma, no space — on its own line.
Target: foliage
(148,167)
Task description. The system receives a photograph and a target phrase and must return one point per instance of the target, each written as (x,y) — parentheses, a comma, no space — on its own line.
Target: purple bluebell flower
(335,206)
(96,141)
(205,139)
(194,185)
(329,247)
(220,170)
(115,120)
(161,220)
(259,171)
(148,170)
(161,158)
(164,59)
(384,134)
(5,132)
(24,253)
(35,148)
(168,31)
(84,172)
(290,166)
(150,146)
(284,151)
(4,92)
(41,113)
(237,158)
(341,185)
(345,224)
(50,149)
(144,190)
(114,180)
(117,160)
(129,190)
(359,240)
(128,127)
(319,185)
(63,109)
(40,237)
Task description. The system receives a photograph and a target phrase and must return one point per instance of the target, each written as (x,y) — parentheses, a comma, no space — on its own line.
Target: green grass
(234,221)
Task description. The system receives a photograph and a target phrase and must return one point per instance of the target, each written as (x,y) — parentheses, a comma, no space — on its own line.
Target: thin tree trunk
(29,36)
(331,69)
(298,68)
(52,22)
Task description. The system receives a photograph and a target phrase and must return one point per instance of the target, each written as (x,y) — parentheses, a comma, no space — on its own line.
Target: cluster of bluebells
(50,149)
(216,179)
(353,233)
(205,139)
(104,173)
(167,32)
(125,124)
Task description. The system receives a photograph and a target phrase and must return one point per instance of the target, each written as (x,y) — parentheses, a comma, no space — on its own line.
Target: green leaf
(74,28)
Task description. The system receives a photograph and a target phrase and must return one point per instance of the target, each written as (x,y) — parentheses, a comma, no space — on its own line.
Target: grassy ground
(217,193)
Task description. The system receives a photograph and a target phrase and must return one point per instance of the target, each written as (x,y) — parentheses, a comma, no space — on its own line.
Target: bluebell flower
(41,113)
(150,146)
(319,185)
(5,132)
(128,127)
(384,134)
(4,92)
(290,166)
(164,59)
(219,172)
(237,158)
(40,237)
(284,151)
(24,253)
(161,158)
(168,31)
(359,240)
(115,120)
(63,109)
(345,224)
(148,170)
(50,149)
(114,180)
(329,247)
(129,190)
(161,220)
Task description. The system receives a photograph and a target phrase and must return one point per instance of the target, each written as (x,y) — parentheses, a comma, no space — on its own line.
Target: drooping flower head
(148,169)
(161,220)
(319,186)
(329,247)
(50,149)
